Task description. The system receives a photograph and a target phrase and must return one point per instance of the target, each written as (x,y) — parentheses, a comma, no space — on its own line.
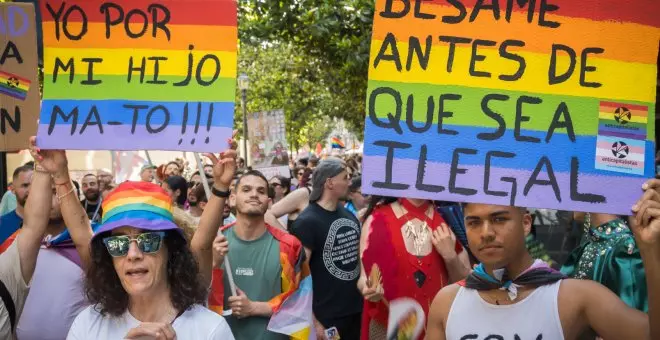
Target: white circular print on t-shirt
(341,250)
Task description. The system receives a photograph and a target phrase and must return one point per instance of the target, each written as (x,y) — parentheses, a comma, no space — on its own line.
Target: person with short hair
(147,173)
(356,201)
(177,188)
(266,262)
(104,177)
(330,235)
(92,203)
(12,221)
(143,280)
(511,295)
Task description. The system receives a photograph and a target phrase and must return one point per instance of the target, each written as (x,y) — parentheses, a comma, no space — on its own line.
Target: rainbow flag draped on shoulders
(292,309)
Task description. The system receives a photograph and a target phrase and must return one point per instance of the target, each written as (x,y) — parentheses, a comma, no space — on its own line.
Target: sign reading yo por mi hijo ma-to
(546,104)
(138,74)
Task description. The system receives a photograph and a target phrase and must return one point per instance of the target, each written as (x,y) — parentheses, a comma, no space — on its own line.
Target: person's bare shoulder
(443,301)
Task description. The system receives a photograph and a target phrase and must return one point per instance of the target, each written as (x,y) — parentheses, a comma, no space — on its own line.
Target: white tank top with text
(534,318)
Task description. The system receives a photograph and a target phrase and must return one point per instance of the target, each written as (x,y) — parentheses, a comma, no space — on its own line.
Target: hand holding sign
(646,221)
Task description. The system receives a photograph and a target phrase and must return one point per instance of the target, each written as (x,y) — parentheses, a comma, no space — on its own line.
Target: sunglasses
(148,243)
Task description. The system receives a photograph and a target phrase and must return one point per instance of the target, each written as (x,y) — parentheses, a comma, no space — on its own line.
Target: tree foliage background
(309,57)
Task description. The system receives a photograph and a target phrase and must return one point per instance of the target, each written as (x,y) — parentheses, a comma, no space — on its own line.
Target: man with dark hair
(510,295)
(11,222)
(199,194)
(92,203)
(331,236)
(265,261)
(356,200)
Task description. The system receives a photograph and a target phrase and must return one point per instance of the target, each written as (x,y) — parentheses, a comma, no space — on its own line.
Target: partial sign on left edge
(19,86)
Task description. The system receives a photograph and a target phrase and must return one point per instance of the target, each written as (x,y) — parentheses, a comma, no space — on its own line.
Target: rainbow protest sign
(138,74)
(545,104)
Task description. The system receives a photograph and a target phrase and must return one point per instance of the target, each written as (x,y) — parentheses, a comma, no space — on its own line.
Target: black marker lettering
(562,110)
(393,121)
(414,47)
(521,4)
(65,23)
(140,69)
(520,119)
(546,7)
(157,61)
(494,6)
(452,48)
(186,81)
(11,51)
(136,113)
(93,114)
(462,13)
(389,41)
(512,180)
(584,68)
(56,17)
(522,64)
(389,164)
(410,115)
(162,127)
(109,22)
(455,170)
(553,77)
(60,65)
(443,113)
(421,174)
(127,22)
(200,67)
(551,181)
(90,71)
(6,118)
(479,57)
(575,194)
(160,23)
(57,111)
(389,11)
(418,11)
(501,124)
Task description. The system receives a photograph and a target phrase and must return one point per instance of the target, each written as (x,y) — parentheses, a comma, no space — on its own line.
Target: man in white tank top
(537,304)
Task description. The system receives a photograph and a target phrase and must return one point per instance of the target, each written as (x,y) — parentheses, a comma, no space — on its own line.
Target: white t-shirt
(12,277)
(196,323)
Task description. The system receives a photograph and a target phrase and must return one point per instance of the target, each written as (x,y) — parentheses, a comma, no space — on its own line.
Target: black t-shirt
(334,240)
(91,209)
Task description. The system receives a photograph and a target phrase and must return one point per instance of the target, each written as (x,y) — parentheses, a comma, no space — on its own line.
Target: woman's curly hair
(103,287)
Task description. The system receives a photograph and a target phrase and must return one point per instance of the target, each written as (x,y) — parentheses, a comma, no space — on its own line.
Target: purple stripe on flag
(121,138)
(628,189)
(611,133)
(18,94)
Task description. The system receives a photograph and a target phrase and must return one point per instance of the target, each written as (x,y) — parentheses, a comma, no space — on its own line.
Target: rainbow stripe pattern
(14,86)
(294,316)
(337,143)
(139,205)
(452,98)
(188,106)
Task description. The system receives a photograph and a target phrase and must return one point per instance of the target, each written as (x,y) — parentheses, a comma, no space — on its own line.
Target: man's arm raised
(211,220)
(75,217)
(603,310)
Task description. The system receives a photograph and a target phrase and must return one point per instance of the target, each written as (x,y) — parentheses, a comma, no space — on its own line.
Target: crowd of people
(215,253)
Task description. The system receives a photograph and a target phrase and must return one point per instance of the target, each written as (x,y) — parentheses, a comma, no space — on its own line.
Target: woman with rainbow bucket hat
(142,276)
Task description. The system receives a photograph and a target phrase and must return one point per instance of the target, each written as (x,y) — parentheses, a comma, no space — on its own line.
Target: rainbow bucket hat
(139,205)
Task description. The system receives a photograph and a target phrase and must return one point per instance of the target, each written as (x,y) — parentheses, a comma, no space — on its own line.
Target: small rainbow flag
(337,143)
(14,86)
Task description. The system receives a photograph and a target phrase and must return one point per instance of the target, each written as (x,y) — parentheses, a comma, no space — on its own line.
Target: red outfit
(432,266)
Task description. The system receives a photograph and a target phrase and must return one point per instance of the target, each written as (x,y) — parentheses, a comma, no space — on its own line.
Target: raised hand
(52,161)
(645,223)
(444,242)
(224,167)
